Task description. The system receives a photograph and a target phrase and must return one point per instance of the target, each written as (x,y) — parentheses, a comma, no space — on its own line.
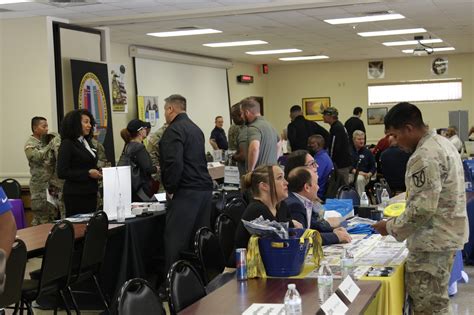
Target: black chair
(55,268)
(138,297)
(12,188)
(225,231)
(209,253)
(235,208)
(348,192)
(184,286)
(92,255)
(15,272)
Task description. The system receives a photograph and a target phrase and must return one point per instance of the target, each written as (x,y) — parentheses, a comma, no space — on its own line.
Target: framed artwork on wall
(313,107)
(375,116)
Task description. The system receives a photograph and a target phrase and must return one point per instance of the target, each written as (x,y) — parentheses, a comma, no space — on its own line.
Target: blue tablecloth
(469,246)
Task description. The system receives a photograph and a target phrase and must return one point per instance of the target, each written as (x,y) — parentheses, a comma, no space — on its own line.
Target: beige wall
(119,55)
(346,84)
(26,88)
(238,90)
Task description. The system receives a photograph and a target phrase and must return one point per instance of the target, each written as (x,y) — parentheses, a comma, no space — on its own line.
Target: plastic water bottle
(325,281)
(293,301)
(347,263)
(364,200)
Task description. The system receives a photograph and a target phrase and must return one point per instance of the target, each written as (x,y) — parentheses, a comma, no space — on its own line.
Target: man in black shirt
(355,123)
(185,178)
(218,138)
(339,148)
(300,129)
(394,165)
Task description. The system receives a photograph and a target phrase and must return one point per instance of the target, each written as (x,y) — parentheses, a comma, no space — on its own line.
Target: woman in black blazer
(77,163)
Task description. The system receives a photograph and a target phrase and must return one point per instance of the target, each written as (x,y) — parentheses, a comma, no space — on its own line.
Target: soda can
(241,263)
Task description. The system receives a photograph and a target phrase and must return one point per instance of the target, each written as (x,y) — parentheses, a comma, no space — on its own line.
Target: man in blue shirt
(218,138)
(363,162)
(316,145)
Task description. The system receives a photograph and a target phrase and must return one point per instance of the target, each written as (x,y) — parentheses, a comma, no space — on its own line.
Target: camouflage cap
(331,111)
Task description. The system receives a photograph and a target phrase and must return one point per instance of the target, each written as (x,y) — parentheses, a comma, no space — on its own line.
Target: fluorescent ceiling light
(13,1)
(410,51)
(413,42)
(185,32)
(304,58)
(239,43)
(392,32)
(368,18)
(277,51)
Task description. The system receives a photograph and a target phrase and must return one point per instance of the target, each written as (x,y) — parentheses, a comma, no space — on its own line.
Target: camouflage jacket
(153,145)
(37,152)
(51,159)
(435,215)
(234,137)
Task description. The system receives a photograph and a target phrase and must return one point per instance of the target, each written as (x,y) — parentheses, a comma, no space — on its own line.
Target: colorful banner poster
(90,85)
(119,91)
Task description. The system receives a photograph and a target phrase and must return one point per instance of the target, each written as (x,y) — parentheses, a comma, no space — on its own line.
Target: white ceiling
(282,23)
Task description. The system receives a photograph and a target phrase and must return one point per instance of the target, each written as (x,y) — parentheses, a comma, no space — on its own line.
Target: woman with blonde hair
(268,187)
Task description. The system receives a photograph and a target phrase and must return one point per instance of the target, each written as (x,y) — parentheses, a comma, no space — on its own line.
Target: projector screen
(205,89)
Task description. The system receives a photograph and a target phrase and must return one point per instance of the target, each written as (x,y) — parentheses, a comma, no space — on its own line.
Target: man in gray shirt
(262,137)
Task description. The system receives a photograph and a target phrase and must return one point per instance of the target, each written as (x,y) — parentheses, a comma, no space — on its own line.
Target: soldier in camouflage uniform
(152,147)
(101,162)
(434,222)
(55,184)
(238,138)
(37,152)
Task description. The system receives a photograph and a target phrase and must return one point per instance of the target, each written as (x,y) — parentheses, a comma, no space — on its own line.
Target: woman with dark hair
(77,163)
(268,187)
(133,136)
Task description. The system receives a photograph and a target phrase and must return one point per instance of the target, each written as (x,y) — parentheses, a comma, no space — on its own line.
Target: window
(420,91)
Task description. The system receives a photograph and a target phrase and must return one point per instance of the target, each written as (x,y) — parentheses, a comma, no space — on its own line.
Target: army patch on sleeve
(419,178)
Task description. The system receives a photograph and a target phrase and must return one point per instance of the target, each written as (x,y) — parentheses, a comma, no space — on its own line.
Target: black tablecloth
(137,251)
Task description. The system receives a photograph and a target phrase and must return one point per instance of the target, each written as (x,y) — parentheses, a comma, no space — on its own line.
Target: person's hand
(381,227)
(96,174)
(342,235)
(334,222)
(297,225)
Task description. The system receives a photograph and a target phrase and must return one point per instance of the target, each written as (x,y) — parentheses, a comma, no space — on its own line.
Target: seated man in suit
(303,186)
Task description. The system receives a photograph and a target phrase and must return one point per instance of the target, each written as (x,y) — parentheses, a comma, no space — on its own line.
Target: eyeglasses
(312,164)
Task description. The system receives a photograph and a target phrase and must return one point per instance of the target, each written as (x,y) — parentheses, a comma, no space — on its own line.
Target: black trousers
(188,211)
(80,203)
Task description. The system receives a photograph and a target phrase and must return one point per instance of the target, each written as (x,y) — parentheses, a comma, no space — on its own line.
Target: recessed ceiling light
(238,43)
(276,51)
(392,32)
(413,42)
(303,58)
(367,18)
(410,51)
(185,32)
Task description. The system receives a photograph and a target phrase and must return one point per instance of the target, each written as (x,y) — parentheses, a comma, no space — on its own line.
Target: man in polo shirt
(262,137)
(316,145)
(218,138)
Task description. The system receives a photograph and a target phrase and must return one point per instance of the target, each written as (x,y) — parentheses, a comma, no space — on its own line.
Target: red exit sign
(244,78)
